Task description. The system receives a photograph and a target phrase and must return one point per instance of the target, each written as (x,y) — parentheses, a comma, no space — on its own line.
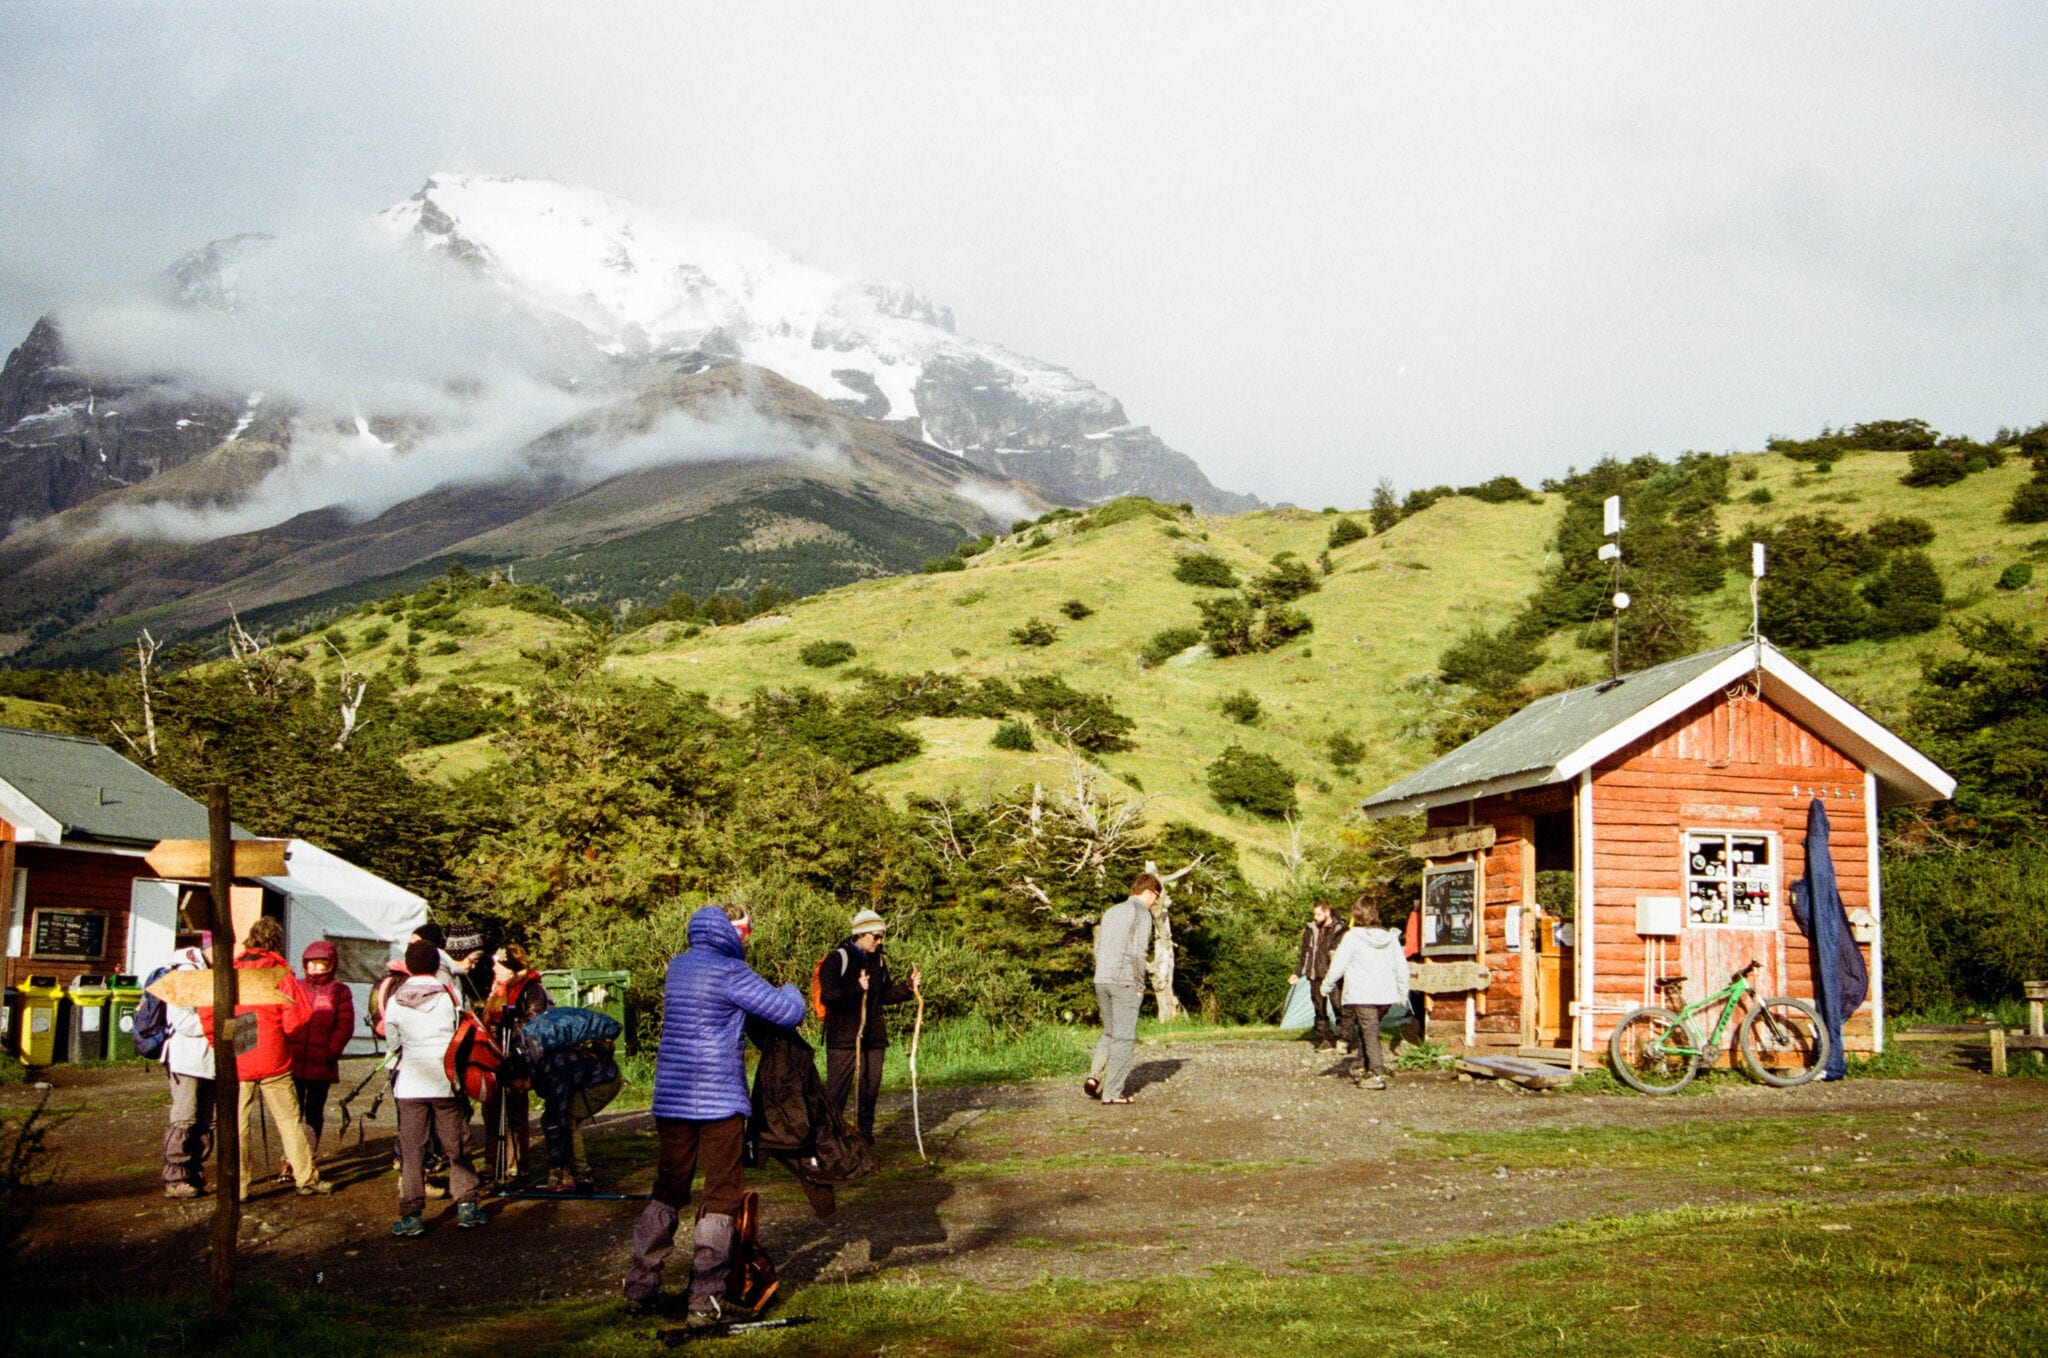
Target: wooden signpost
(190,860)
(227,1085)
(189,989)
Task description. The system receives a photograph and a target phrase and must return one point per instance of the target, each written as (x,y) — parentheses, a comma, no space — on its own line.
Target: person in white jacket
(419,1020)
(1372,970)
(188,1061)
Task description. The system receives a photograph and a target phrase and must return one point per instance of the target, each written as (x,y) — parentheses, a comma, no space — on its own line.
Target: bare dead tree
(146,647)
(1164,957)
(353,687)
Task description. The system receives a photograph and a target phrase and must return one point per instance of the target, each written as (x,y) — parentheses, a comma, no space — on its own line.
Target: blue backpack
(558,1029)
(152,1022)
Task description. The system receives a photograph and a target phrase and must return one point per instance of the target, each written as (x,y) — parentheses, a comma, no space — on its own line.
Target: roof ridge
(51,735)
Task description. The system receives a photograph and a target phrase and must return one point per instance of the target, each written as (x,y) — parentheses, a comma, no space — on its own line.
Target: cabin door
(1709,957)
(1550,1016)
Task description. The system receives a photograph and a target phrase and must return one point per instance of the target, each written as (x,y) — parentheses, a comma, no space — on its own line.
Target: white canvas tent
(365,917)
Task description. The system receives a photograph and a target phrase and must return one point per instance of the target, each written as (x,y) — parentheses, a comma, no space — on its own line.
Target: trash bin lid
(89,987)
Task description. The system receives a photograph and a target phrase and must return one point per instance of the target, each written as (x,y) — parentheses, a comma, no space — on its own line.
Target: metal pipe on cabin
(1875,892)
(227,1089)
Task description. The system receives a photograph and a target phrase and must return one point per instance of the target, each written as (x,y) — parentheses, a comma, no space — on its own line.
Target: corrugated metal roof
(1548,730)
(93,792)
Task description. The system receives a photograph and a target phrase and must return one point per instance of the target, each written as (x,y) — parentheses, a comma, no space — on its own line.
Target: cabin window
(1731,879)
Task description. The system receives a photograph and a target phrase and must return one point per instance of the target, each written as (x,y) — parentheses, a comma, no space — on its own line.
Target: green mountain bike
(1782,1040)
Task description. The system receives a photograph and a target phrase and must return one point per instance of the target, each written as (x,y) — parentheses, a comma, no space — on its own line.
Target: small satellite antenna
(1756,579)
(1610,550)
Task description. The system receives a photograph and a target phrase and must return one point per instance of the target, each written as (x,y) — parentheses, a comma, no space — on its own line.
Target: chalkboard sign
(1450,910)
(73,934)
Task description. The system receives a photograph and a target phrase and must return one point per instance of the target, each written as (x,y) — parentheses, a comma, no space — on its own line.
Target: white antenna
(1756,575)
(1611,551)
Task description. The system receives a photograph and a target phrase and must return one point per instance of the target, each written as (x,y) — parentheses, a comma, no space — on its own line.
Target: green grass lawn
(1928,1275)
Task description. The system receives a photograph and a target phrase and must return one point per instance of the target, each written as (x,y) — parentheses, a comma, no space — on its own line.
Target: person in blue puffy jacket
(701,1105)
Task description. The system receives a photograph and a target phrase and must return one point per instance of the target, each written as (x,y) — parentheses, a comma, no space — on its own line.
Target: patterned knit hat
(867,922)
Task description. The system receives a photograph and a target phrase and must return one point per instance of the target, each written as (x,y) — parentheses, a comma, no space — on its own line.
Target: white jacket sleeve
(1338,961)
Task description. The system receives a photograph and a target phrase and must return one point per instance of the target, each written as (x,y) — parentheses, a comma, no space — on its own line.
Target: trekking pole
(860,1038)
(917,1119)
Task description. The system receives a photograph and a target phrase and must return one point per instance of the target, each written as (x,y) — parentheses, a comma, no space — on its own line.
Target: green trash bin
(124,995)
(603,991)
(89,997)
(41,998)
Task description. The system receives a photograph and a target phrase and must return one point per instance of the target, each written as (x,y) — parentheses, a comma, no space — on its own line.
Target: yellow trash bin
(41,997)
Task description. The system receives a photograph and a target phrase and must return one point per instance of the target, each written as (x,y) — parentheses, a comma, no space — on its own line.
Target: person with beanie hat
(318,1044)
(420,1019)
(853,981)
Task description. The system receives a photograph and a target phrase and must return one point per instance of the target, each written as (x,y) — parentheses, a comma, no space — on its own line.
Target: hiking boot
(469,1215)
(182,1191)
(1343,1048)
(318,1188)
(1373,1082)
(409,1225)
(558,1182)
(704,1313)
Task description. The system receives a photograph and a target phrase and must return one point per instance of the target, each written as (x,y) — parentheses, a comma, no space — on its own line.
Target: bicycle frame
(1730,997)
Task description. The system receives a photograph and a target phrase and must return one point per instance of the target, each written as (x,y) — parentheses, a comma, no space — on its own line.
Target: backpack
(818,987)
(566,1026)
(751,1283)
(473,1059)
(151,1026)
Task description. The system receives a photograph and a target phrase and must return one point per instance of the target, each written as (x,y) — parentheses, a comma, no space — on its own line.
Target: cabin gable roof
(1554,739)
(61,789)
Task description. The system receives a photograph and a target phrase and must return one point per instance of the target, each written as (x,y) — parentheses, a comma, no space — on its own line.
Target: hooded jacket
(1371,967)
(1318,944)
(317,1047)
(188,1051)
(271,1056)
(839,986)
(419,1019)
(700,1070)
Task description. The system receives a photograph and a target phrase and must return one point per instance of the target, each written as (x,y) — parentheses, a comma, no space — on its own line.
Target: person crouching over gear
(701,1106)
(1373,972)
(1318,942)
(420,1019)
(517,996)
(568,1053)
(853,981)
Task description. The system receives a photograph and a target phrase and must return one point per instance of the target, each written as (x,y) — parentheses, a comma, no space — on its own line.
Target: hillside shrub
(1287,581)
(1124,509)
(2029,502)
(1345,750)
(1964,927)
(974,548)
(1035,632)
(1345,531)
(446,646)
(1905,596)
(1229,625)
(1491,662)
(376,634)
(1386,509)
(1167,644)
(1013,735)
(1241,707)
(1933,467)
(935,565)
(823,655)
(2016,576)
(805,716)
(336,638)
(1076,610)
(1090,720)
(1204,569)
(1038,539)
(1760,496)
(1501,490)
(1282,625)
(454,712)
(1255,782)
(1889,532)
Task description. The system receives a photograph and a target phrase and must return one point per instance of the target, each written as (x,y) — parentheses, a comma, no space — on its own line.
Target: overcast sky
(1310,247)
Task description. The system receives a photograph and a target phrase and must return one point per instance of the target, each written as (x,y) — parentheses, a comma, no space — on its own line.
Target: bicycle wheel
(1783,1042)
(1644,1051)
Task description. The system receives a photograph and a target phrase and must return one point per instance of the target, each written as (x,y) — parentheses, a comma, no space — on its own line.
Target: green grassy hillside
(1381,618)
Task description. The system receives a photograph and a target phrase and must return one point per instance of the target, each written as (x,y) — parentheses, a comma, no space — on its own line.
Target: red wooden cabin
(1646,827)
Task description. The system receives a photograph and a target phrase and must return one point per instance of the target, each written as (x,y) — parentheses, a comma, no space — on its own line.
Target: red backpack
(473,1059)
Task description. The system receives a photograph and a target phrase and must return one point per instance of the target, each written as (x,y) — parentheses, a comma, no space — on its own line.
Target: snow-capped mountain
(644,282)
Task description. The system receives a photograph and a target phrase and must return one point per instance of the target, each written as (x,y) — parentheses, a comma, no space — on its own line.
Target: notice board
(1450,910)
(73,935)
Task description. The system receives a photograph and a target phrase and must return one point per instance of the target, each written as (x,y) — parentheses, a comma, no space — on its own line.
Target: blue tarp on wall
(1840,974)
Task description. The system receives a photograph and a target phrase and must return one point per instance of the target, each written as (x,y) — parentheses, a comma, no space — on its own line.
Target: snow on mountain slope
(642,280)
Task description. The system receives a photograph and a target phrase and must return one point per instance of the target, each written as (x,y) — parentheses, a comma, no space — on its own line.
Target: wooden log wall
(1731,764)
(74,879)
(1508,881)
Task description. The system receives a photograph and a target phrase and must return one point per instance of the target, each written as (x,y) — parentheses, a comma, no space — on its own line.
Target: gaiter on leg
(713,1260)
(654,1238)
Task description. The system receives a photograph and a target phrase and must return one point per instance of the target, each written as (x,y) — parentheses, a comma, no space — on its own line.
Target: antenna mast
(1611,551)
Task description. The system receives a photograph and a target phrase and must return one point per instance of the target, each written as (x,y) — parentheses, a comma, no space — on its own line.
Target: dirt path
(1235,1152)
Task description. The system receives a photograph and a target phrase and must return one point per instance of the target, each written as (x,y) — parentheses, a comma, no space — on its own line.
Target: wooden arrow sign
(192,988)
(186,859)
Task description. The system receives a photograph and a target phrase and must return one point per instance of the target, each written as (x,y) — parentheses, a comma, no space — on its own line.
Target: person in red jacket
(317,1047)
(265,1069)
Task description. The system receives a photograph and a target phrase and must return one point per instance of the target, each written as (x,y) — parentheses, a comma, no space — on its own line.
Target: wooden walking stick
(916,1119)
(860,1053)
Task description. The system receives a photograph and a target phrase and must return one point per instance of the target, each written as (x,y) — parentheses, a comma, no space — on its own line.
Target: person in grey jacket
(1373,971)
(1123,941)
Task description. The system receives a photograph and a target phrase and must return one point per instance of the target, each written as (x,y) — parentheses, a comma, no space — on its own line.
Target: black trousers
(1328,1012)
(839,1065)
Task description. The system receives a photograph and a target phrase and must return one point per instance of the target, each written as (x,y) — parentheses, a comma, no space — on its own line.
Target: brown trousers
(681,1143)
(448,1120)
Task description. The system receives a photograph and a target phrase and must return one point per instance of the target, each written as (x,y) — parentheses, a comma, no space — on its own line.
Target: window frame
(1728,834)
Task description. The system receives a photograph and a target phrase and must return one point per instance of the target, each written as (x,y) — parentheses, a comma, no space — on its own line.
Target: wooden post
(1998,1048)
(227,1087)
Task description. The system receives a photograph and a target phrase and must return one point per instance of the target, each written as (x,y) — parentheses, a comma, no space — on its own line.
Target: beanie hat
(867,922)
(422,958)
(431,933)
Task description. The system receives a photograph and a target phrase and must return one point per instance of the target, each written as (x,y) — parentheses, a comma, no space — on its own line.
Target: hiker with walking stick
(852,983)
(516,997)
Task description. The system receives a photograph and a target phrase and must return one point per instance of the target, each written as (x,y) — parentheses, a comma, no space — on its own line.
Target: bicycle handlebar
(1754,964)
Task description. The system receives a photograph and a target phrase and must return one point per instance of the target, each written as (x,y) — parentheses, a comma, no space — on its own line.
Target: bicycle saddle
(1667,982)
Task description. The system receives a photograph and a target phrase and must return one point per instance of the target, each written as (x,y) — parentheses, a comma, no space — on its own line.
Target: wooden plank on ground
(1529,1074)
